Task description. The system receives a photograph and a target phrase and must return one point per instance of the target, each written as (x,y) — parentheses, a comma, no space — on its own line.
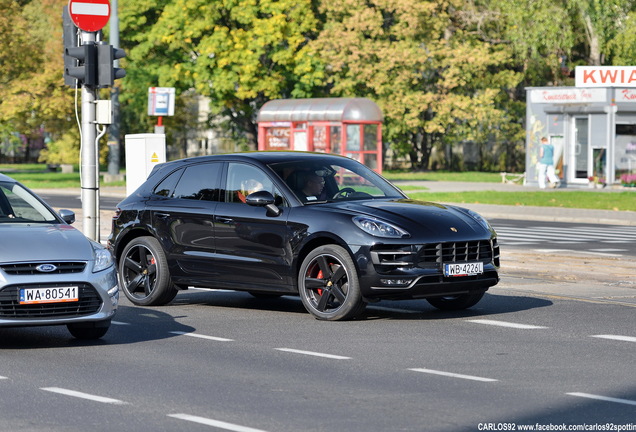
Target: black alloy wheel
(328,284)
(143,273)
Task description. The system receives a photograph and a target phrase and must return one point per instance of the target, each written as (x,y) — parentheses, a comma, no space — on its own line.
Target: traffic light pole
(89,174)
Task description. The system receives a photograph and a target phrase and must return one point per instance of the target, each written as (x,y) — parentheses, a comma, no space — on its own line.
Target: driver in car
(313,186)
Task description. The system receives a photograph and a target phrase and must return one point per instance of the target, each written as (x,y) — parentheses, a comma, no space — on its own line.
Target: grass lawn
(38,176)
(621,201)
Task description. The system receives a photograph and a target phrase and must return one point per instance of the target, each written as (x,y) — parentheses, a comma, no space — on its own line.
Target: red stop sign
(89,15)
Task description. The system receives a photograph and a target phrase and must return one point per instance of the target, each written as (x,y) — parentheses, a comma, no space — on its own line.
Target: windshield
(345,179)
(18,205)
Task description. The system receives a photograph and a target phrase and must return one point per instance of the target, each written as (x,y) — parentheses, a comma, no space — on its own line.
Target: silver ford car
(50,273)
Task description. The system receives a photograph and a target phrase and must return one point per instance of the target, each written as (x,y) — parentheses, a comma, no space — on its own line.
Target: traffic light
(107,73)
(70,41)
(86,70)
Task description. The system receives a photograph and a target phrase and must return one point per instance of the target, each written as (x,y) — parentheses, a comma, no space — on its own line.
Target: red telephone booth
(348,126)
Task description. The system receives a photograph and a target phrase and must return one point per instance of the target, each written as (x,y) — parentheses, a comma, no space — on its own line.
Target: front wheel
(144,275)
(457,302)
(328,284)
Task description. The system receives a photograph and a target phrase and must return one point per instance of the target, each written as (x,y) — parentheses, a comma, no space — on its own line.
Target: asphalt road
(553,344)
(253,364)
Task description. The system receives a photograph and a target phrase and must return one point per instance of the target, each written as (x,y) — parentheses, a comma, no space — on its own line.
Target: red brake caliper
(320,276)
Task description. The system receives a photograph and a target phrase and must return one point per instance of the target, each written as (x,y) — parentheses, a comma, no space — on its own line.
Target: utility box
(143,152)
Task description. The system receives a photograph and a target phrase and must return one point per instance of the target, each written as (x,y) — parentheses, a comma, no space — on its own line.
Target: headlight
(379,228)
(103,257)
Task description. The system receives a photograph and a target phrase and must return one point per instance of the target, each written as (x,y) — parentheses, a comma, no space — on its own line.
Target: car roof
(265,157)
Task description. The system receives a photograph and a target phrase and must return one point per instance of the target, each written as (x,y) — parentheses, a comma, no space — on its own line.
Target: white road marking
(454,375)
(2,377)
(616,337)
(312,353)
(214,423)
(603,398)
(81,395)
(214,338)
(506,324)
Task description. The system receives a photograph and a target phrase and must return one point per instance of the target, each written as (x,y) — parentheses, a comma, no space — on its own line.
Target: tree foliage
(436,82)
(238,53)
(447,73)
(33,101)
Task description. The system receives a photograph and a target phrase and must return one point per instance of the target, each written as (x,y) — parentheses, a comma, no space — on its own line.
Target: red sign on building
(89,15)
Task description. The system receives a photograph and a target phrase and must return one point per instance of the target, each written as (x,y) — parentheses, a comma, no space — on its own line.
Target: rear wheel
(328,284)
(144,275)
(458,302)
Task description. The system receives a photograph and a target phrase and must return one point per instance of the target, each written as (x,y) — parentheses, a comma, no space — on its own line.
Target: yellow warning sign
(154,158)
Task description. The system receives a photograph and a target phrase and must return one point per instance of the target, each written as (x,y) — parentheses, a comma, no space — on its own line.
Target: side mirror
(67,215)
(263,199)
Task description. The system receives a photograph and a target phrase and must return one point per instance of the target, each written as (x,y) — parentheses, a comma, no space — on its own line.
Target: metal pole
(113,131)
(88,168)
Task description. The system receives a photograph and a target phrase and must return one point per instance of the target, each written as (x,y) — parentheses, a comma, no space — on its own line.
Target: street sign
(161,101)
(89,15)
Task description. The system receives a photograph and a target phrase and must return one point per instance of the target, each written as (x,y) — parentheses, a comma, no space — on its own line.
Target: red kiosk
(348,126)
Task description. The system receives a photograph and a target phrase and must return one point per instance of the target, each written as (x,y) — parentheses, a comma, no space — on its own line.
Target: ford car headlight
(103,257)
(379,228)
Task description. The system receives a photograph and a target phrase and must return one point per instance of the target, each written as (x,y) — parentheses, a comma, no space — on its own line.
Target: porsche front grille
(432,255)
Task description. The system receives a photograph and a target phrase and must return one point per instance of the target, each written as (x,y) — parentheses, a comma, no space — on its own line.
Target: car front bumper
(98,299)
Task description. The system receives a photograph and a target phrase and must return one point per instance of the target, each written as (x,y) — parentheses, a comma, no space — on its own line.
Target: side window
(243,179)
(167,185)
(199,182)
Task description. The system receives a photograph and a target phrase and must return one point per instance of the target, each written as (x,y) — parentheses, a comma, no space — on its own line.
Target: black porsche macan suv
(323,227)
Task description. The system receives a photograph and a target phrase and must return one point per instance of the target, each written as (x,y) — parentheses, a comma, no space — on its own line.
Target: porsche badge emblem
(453,229)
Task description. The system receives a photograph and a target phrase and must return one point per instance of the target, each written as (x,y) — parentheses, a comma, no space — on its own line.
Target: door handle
(162,215)
(224,220)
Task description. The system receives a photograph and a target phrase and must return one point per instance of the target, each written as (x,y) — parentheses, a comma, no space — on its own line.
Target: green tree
(436,83)
(238,53)
(33,100)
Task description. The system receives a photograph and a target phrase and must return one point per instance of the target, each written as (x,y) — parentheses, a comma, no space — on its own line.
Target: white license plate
(49,295)
(463,269)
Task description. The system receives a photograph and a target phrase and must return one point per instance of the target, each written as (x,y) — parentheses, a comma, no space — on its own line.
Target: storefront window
(335,139)
(625,150)
(353,137)
(277,138)
(320,138)
(371,160)
(370,137)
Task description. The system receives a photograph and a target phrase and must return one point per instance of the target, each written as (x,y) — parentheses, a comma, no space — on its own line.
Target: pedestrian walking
(546,164)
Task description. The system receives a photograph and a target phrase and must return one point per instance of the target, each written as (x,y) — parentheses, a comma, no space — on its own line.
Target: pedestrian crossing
(601,238)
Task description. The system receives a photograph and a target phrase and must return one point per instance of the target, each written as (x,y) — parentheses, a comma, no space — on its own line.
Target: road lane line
(214,423)
(3,377)
(81,395)
(312,353)
(214,338)
(506,324)
(603,398)
(454,375)
(616,337)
